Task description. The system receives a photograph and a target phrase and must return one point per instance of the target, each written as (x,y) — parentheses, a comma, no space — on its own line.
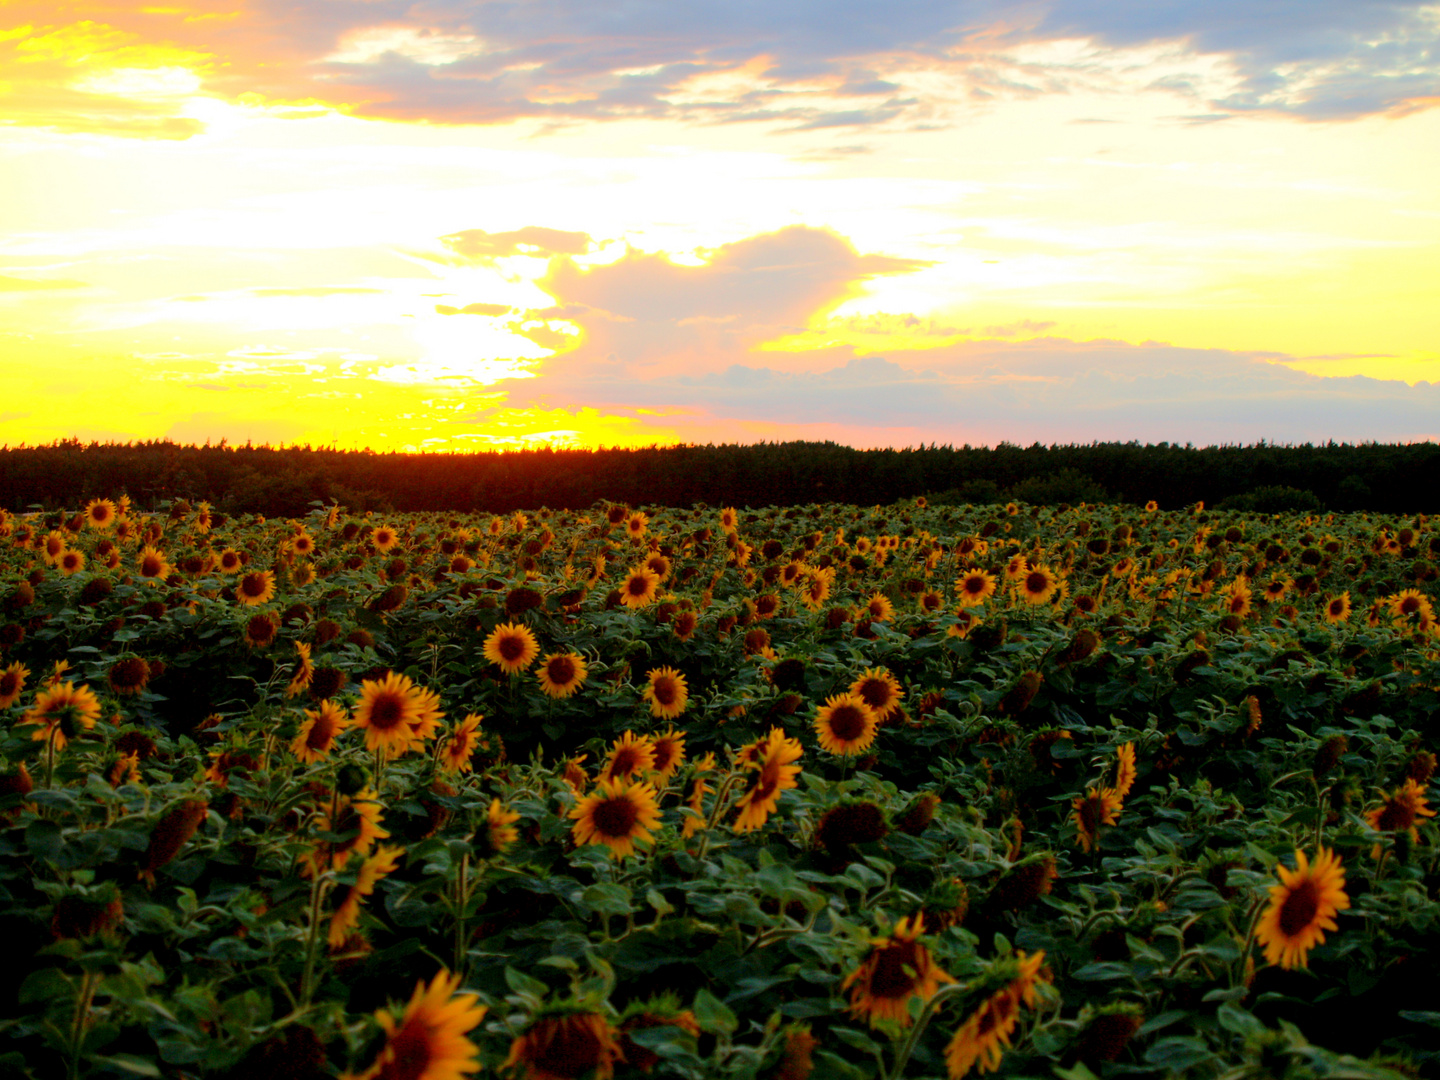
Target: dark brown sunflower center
(561,670)
(572,1048)
(410,1053)
(847,723)
(150,566)
(1091,811)
(638,585)
(1337,607)
(386,712)
(664,754)
(876,693)
(625,762)
(665,691)
(1036,583)
(253,585)
(974,586)
(9,683)
(1397,814)
(321,732)
(889,978)
(1299,909)
(615,817)
(511,647)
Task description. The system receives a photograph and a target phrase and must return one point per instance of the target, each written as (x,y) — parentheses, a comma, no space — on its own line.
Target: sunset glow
(462,227)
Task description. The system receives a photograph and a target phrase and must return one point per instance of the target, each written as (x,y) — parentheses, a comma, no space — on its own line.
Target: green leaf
(44,839)
(712,1014)
(47,984)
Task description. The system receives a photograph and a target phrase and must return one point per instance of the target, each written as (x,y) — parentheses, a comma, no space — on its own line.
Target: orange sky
(476,225)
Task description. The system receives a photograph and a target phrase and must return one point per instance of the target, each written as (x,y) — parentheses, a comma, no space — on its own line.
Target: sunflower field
(836,792)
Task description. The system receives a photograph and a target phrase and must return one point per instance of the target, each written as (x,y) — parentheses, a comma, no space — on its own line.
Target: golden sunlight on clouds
(352,224)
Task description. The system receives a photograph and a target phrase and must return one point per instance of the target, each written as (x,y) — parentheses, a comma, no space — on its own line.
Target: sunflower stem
(912,1039)
(462,902)
(82,1014)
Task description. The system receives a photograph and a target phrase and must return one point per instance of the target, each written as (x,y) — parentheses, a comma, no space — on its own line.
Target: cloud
(697,343)
(479,245)
(805,64)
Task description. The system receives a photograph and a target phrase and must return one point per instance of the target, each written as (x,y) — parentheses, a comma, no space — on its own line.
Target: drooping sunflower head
(564,1044)
(1094,809)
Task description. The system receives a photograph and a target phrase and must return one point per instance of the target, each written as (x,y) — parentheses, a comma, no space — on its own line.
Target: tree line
(286,481)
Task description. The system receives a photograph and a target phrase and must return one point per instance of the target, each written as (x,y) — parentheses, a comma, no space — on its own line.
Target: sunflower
(565,1046)
(317,734)
(635,525)
(562,674)
(666,692)
(1276,588)
(304,672)
(61,711)
(52,546)
(100,513)
(1301,907)
(669,750)
(729,519)
(975,587)
(229,561)
(385,539)
(1095,809)
(430,1042)
(347,912)
(153,565)
(512,646)
(617,814)
(395,713)
(1337,608)
(845,724)
(695,801)
(357,819)
(1124,769)
(12,683)
(498,833)
(128,675)
(898,968)
(639,587)
(631,755)
(70,562)
(772,774)
(1235,599)
(880,690)
(260,629)
(1037,584)
(878,608)
(981,1039)
(684,624)
(816,589)
(1400,811)
(1411,602)
(460,746)
(256,587)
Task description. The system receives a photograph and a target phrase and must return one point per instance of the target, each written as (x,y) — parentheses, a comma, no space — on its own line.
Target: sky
(465,225)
